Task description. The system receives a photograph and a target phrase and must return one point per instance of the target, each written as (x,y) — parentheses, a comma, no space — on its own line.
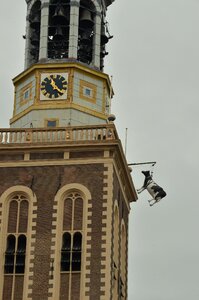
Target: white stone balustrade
(96,133)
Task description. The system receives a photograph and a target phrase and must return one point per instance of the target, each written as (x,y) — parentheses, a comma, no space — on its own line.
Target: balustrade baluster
(20,136)
(10,137)
(86,134)
(55,136)
(91,134)
(41,137)
(15,137)
(51,136)
(76,134)
(6,138)
(1,137)
(81,134)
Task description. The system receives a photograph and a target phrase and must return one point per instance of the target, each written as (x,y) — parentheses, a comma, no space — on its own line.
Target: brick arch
(73,187)
(13,190)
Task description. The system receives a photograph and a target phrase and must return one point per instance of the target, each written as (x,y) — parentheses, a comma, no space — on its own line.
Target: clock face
(53,86)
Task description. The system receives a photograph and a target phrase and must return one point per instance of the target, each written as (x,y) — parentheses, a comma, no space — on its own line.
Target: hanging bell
(34,39)
(59,17)
(58,34)
(35,22)
(86,19)
(85,38)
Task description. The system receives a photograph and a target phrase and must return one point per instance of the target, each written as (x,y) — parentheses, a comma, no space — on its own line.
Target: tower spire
(65,188)
(63,82)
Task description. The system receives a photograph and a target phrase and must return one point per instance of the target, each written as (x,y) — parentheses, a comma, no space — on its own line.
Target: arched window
(71,248)
(15,246)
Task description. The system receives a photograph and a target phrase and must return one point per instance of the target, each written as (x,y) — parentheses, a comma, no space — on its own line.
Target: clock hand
(55,87)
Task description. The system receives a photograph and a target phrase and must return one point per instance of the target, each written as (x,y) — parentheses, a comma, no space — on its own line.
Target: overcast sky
(154,60)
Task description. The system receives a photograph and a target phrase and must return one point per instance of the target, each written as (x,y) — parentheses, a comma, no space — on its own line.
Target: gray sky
(154,60)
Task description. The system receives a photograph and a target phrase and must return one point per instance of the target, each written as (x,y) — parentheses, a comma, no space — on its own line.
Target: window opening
(20,254)
(76,254)
(10,255)
(66,252)
(87,92)
(51,123)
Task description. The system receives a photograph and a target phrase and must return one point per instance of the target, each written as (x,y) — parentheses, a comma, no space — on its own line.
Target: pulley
(86,19)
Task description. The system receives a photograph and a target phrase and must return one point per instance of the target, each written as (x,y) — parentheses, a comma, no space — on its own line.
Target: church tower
(65,188)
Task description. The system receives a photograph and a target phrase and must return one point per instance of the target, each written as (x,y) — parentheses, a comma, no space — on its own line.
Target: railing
(62,134)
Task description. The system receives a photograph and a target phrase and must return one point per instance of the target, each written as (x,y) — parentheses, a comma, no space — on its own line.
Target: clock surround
(53,86)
